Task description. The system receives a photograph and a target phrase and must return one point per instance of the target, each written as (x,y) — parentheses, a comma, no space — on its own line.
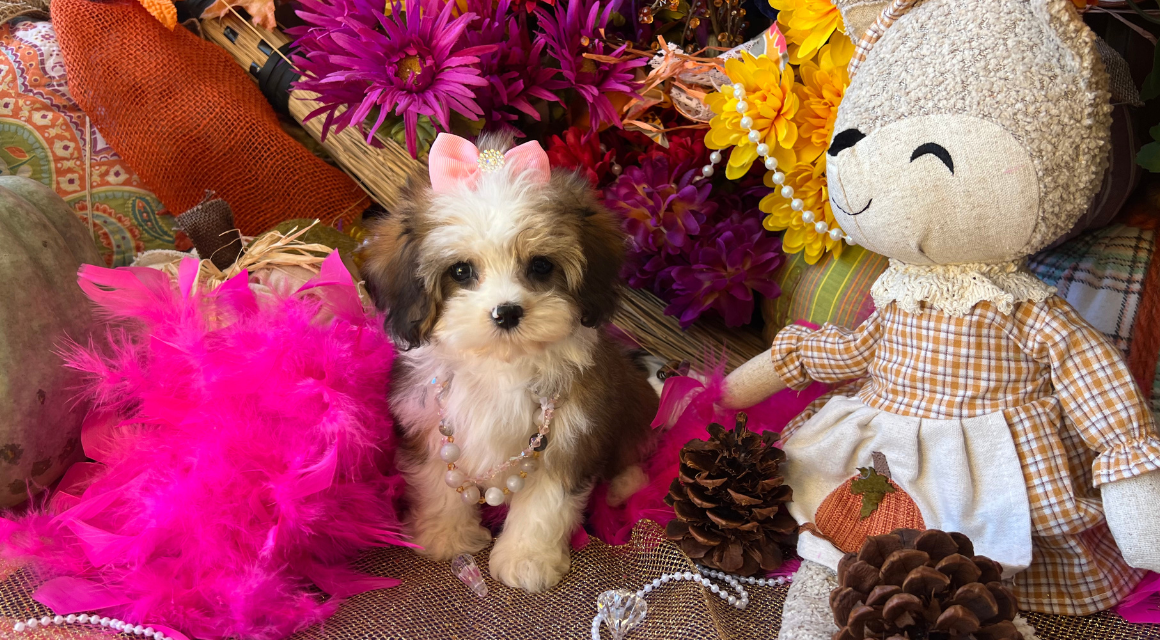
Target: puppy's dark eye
(541,266)
(936,150)
(462,271)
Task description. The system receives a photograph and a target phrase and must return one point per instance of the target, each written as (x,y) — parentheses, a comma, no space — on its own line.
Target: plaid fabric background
(1101,274)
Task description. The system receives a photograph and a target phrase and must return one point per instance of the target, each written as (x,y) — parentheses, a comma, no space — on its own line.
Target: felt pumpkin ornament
(868,504)
(42,244)
(1003,414)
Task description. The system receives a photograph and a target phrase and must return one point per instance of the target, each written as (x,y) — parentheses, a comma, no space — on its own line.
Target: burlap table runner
(432,604)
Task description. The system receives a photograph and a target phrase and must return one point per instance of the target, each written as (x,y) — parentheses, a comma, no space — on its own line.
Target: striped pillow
(835,290)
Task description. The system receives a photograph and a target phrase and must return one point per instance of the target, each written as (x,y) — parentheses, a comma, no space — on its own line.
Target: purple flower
(412,63)
(734,259)
(661,205)
(512,69)
(661,209)
(576,27)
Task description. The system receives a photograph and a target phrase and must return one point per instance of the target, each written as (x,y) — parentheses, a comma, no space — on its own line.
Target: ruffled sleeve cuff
(787,358)
(1127,460)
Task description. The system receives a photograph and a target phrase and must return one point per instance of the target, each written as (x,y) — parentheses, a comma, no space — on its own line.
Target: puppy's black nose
(507,316)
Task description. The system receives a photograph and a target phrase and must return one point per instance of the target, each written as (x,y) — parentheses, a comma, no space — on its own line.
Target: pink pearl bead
(455,478)
(471,494)
(449,452)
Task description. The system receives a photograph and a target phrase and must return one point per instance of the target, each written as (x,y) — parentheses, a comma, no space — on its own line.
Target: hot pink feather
(244,453)
(1143,605)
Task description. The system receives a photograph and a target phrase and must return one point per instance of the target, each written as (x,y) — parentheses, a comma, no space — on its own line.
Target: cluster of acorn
(929,585)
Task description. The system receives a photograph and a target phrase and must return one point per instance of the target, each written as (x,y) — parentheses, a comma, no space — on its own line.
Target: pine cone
(929,585)
(729,499)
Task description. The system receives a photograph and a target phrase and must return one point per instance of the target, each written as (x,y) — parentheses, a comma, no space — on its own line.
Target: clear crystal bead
(621,611)
(464,567)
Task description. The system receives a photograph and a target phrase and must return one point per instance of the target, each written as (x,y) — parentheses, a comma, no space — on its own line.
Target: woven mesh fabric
(210,226)
(187,118)
(1121,84)
(432,604)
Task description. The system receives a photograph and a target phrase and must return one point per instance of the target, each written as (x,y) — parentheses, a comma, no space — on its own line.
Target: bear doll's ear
(858,15)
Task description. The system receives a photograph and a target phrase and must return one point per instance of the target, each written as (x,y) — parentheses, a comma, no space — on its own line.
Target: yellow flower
(771,103)
(807,24)
(809,183)
(823,85)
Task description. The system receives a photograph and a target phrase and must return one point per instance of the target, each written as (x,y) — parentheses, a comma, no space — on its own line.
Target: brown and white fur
(447,329)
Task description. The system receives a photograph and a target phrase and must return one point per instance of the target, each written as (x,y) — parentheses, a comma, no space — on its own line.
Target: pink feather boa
(243,453)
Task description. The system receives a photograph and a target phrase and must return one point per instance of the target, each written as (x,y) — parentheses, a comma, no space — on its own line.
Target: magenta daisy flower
(412,63)
(513,69)
(576,27)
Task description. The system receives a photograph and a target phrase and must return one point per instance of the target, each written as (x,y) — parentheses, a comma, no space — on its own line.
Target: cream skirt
(963,475)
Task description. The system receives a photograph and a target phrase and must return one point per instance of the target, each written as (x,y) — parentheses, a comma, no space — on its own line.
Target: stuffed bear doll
(973,134)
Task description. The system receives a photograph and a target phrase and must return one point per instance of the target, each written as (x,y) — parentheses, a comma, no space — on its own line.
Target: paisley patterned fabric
(42,136)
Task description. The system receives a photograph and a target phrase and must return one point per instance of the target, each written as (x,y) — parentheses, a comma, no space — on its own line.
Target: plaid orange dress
(1076,417)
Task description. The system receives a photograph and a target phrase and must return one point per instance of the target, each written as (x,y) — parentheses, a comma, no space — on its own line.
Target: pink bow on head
(454,161)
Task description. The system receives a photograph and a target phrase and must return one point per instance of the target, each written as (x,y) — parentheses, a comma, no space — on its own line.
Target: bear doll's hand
(1132,508)
(752,382)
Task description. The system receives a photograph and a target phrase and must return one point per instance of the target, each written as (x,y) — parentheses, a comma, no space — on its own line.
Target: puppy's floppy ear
(390,269)
(603,244)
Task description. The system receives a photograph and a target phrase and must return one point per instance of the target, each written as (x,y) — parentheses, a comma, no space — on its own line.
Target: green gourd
(42,245)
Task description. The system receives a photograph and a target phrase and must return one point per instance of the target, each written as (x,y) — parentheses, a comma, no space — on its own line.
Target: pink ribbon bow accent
(455,161)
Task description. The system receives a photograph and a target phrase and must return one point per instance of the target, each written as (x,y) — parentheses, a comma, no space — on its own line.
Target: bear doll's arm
(800,355)
(1096,390)
(1130,506)
(1101,399)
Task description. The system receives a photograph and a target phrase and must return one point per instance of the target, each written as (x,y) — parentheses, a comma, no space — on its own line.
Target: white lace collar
(955,289)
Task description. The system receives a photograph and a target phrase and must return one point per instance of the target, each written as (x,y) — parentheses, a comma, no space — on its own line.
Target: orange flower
(809,183)
(823,85)
(163,10)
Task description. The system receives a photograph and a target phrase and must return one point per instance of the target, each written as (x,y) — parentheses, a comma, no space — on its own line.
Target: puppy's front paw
(444,542)
(531,567)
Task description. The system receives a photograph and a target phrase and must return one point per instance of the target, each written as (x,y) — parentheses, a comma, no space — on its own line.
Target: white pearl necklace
(110,623)
(740,601)
(468,487)
(808,217)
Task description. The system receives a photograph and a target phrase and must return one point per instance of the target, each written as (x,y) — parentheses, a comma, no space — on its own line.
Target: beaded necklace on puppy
(468,487)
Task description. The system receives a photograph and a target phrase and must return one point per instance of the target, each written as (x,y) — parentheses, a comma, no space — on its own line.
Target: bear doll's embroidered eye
(845,140)
(936,150)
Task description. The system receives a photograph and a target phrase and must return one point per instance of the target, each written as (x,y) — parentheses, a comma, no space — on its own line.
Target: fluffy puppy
(500,286)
